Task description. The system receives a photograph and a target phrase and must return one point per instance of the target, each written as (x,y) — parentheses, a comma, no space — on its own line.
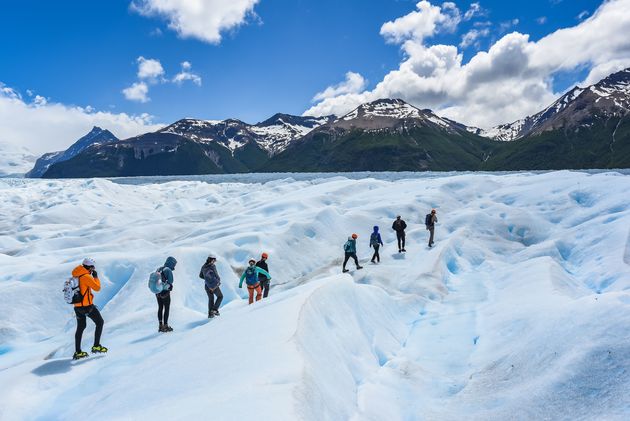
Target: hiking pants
(93,313)
(264,285)
(354,257)
(432,231)
(376,255)
(212,304)
(164,306)
(400,236)
(251,289)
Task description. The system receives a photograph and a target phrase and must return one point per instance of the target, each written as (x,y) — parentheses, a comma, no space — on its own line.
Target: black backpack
(428,220)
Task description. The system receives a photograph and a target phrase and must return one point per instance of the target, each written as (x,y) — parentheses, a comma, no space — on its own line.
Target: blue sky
(84,53)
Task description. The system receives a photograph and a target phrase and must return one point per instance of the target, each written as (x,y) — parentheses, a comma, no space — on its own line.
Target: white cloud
(149,69)
(541,20)
(422,23)
(354,83)
(49,126)
(138,92)
(474,11)
(583,14)
(187,74)
(471,37)
(205,20)
(513,78)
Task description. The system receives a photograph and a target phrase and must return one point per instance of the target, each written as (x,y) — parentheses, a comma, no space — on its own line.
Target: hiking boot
(211,315)
(345,270)
(216,312)
(98,349)
(161,328)
(404,251)
(359,267)
(79,355)
(167,328)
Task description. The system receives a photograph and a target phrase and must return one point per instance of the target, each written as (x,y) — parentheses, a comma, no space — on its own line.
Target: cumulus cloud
(138,92)
(187,74)
(422,23)
(510,80)
(149,68)
(46,126)
(151,72)
(204,20)
(354,83)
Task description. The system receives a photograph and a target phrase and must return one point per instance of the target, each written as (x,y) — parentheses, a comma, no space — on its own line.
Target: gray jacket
(211,275)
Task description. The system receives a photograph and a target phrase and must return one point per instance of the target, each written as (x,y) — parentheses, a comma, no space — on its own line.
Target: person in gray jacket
(212,285)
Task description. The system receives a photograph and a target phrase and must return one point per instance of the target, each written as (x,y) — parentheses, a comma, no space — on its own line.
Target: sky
(132,66)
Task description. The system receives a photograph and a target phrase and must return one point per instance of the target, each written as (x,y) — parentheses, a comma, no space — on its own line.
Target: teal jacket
(251,275)
(350,246)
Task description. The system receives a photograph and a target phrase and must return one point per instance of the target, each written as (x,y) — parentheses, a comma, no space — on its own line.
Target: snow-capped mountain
(608,97)
(272,135)
(391,113)
(15,160)
(95,137)
(277,133)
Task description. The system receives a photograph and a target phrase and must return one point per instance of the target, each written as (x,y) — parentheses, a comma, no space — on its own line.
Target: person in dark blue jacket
(376,242)
(164,297)
(212,285)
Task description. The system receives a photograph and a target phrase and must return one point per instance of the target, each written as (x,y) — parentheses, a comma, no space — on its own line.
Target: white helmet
(88,261)
(212,256)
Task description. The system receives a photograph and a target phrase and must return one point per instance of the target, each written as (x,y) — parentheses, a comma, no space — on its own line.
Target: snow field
(521,311)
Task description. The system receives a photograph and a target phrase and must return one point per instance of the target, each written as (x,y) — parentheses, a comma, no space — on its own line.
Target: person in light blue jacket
(251,279)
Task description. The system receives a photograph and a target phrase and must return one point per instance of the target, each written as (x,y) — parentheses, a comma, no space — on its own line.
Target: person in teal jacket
(350,250)
(251,279)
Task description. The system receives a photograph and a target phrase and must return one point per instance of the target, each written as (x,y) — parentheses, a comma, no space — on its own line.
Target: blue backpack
(250,276)
(374,239)
(156,281)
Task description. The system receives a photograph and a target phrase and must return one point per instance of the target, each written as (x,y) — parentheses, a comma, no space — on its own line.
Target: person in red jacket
(88,282)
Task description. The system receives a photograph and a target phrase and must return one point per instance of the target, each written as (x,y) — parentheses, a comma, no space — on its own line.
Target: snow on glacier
(521,311)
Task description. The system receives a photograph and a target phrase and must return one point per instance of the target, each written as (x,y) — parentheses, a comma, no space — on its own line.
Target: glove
(94,274)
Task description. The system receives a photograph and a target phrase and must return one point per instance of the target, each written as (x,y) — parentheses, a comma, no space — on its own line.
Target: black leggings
(348,256)
(93,313)
(164,305)
(376,255)
(400,236)
(264,284)
(212,304)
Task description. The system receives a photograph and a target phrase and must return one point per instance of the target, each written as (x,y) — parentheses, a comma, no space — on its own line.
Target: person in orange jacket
(88,282)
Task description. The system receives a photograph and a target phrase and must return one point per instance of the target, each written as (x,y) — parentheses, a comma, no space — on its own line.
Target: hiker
(88,282)
(251,278)
(164,297)
(430,221)
(350,249)
(264,281)
(399,226)
(213,281)
(376,242)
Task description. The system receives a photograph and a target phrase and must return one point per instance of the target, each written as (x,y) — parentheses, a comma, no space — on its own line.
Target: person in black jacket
(399,226)
(264,281)
(212,285)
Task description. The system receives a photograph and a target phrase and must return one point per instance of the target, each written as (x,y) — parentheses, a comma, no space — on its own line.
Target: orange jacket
(87,283)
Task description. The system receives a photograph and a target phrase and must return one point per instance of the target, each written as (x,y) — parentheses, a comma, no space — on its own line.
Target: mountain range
(585,128)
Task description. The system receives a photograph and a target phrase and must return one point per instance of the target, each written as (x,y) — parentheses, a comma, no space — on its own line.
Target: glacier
(520,311)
